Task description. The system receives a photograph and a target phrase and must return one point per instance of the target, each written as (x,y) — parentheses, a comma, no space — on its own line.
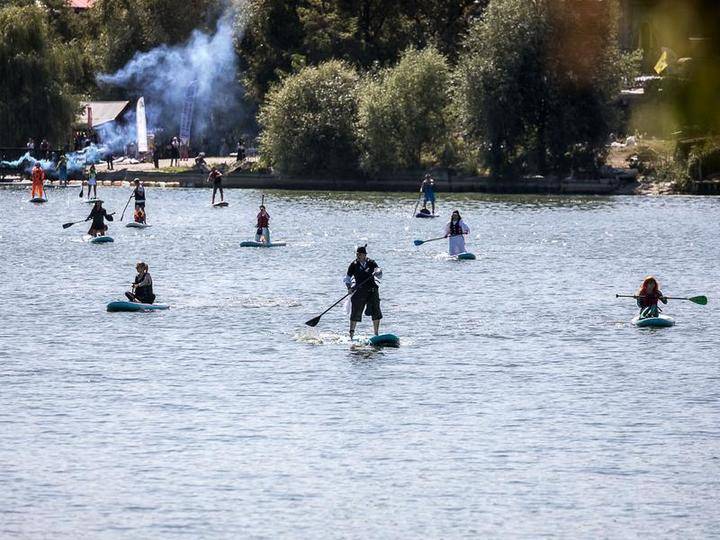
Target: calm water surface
(521,403)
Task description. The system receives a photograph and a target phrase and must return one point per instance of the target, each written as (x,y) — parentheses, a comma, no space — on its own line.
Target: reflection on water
(521,402)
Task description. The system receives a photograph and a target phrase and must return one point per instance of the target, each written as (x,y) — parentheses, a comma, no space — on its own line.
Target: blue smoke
(163,75)
(76,162)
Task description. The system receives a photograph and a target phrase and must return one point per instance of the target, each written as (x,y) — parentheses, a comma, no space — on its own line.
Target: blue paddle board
(661,321)
(384,340)
(252,243)
(222,204)
(100,239)
(122,305)
(136,225)
(465,256)
(38,200)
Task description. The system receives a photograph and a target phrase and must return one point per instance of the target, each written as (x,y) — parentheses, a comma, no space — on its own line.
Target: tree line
(507,86)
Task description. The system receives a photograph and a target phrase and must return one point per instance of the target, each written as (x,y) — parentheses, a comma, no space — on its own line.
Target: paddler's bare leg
(376,326)
(352,328)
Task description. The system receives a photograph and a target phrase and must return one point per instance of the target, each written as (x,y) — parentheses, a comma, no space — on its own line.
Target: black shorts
(140,204)
(369,301)
(217,184)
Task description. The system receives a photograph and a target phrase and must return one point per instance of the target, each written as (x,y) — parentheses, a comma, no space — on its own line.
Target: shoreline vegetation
(504,96)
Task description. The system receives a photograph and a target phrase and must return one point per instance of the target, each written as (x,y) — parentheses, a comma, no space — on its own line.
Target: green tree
(309,119)
(403,112)
(536,83)
(36,69)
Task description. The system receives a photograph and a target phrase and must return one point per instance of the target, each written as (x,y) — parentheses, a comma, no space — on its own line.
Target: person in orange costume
(38,179)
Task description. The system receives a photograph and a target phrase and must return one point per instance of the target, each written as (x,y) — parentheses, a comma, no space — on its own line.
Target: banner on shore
(187,112)
(141,126)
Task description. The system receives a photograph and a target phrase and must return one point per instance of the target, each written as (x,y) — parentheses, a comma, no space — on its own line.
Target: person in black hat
(360,278)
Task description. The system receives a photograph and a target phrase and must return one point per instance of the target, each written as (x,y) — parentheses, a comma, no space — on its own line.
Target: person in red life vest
(648,296)
(362,279)
(215,177)
(38,179)
(263,226)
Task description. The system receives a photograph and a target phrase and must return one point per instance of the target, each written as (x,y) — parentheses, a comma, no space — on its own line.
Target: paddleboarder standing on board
(139,195)
(98,215)
(363,271)
(38,181)
(92,181)
(455,231)
(263,226)
(428,189)
(648,296)
(215,177)
(142,287)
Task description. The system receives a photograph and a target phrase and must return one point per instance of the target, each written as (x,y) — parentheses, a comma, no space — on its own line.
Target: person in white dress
(455,230)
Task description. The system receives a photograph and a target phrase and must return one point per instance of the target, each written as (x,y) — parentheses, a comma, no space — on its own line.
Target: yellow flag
(662,63)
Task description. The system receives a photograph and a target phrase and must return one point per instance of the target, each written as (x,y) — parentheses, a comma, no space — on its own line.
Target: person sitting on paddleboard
(428,189)
(38,181)
(648,296)
(363,271)
(142,287)
(455,230)
(263,226)
(98,215)
(215,177)
(139,195)
(92,181)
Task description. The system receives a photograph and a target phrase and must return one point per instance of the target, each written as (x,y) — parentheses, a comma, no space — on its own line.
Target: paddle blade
(66,225)
(418,242)
(700,300)
(313,322)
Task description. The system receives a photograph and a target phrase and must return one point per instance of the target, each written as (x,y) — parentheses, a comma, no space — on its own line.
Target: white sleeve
(347,280)
(465,228)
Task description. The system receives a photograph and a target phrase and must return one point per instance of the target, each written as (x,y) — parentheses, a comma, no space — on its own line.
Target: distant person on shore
(92,181)
(109,160)
(139,195)
(360,278)
(240,151)
(263,226)
(648,296)
(428,189)
(200,162)
(62,169)
(44,149)
(156,156)
(175,152)
(142,287)
(38,181)
(184,150)
(98,215)
(456,230)
(30,146)
(215,177)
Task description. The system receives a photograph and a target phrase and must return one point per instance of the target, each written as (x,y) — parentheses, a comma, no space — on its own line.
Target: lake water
(522,403)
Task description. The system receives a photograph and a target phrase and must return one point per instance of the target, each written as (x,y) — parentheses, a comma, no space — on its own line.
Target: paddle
(81,189)
(314,321)
(126,205)
(66,225)
(418,201)
(700,300)
(421,242)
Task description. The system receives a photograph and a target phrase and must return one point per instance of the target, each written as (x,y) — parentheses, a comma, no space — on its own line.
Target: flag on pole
(662,63)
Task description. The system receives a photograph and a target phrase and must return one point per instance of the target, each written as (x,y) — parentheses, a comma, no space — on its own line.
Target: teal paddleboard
(136,225)
(384,340)
(101,239)
(38,200)
(221,204)
(122,305)
(661,321)
(251,243)
(465,256)
(92,201)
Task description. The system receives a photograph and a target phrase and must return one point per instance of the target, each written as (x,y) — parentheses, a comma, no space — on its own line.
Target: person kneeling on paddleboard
(215,177)
(455,231)
(139,195)
(363,271)
(648,296)
(98,215)
(142,287)
(263,226)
